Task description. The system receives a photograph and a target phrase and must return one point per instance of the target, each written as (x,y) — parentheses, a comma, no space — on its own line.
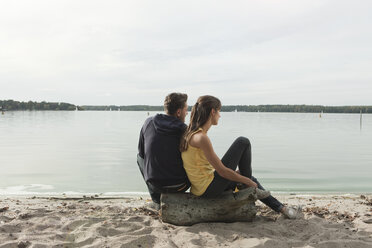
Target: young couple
(173,156)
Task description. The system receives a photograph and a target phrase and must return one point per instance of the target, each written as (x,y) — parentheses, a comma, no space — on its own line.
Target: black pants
(156,190)
(239,154)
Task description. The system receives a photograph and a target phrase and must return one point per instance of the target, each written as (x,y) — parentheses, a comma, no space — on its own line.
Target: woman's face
(215,116)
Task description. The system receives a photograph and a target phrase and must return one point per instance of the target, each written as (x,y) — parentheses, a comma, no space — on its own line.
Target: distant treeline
(249,108)
(124,108)
(298,108)
(10,105)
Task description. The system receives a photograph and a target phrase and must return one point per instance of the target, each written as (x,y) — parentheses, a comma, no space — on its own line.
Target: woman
(210,176)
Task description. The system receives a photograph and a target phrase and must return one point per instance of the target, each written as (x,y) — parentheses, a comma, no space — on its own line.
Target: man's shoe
(262,194)
(153,206)
(292,212)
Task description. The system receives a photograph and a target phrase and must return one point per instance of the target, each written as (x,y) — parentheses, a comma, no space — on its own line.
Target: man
(159,157)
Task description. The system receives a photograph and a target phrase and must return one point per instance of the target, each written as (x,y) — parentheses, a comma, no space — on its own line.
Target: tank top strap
(196,131)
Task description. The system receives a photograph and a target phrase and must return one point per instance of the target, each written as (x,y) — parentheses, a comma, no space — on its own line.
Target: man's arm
(141,141)
(141,144)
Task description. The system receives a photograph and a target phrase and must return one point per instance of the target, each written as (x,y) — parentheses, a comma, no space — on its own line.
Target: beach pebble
(24,216)
(4,209)
(72,206)
(235,237)
(23,244)
(369,221)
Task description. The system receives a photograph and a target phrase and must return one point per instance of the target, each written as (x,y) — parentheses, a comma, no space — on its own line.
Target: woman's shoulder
(197,138)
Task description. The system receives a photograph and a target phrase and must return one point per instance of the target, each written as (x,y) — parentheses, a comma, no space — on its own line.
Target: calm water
(95,152)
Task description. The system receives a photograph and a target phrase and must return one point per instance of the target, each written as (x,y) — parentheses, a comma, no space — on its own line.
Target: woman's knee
(243,140)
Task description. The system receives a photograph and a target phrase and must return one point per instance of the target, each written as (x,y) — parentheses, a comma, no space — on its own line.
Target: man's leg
(155,196)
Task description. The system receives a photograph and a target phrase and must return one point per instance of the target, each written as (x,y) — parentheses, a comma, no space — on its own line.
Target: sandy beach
(94,221)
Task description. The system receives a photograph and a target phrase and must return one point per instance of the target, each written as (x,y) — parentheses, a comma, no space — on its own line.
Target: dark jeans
(156,190)
(238,155)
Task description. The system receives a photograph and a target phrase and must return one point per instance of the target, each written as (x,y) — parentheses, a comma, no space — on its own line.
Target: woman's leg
(239,154)
(270,201)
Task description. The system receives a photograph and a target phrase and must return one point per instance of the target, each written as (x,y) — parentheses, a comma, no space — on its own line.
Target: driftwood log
(186,209)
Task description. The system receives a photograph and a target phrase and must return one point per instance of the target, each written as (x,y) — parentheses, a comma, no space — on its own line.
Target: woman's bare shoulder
(198,139)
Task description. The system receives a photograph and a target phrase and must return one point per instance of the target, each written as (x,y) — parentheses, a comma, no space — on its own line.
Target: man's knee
(244,141)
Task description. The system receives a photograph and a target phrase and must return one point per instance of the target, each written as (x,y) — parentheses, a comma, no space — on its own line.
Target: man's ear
(178,112)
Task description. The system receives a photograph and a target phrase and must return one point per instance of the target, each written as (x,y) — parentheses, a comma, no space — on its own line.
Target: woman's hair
(200,113)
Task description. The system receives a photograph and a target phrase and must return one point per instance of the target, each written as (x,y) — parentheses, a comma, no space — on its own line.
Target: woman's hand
(250,183)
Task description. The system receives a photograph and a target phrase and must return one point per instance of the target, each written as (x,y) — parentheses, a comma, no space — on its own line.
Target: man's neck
(172,116)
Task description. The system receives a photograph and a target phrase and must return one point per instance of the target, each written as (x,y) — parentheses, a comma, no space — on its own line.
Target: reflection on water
(96,151)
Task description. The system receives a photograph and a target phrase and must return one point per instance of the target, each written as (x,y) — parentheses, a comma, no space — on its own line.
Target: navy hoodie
(158,145)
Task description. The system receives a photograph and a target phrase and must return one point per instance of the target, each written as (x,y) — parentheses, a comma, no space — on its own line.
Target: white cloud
(135,52)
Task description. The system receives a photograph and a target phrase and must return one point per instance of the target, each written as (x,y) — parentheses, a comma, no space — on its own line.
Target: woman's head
(206,108)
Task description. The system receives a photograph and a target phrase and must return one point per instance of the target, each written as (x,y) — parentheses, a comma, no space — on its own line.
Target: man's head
(175,104)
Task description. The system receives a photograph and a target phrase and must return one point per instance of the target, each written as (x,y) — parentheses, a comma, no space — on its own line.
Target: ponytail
(200,114)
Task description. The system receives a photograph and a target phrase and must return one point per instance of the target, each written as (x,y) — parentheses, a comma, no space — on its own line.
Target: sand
(327,221)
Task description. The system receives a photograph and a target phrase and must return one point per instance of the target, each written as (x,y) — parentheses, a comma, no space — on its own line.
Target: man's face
(181,113)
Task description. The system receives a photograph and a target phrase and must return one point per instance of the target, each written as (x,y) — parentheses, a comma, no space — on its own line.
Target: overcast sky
(136,52)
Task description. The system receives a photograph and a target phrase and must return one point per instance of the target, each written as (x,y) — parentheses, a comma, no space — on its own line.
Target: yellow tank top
(199,171)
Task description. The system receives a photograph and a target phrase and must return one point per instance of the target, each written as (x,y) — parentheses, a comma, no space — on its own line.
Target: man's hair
(173,102)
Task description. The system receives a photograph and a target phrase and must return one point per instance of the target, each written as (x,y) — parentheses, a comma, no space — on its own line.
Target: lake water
(46,152)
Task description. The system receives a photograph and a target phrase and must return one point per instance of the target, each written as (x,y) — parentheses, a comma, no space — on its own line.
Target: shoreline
(134,193)
(328,221)
(124,195)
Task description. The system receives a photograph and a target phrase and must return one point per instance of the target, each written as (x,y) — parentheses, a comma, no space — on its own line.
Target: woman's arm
(203,142)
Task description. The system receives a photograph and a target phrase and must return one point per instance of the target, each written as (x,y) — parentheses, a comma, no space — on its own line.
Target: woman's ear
(213,112)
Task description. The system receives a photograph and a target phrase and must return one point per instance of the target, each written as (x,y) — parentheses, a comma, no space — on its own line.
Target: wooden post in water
(360,119)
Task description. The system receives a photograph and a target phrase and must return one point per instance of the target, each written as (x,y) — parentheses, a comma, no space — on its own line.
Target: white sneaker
(292,212)
(262,194)
(152,205)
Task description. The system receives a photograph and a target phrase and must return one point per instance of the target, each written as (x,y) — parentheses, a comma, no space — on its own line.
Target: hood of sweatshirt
(168,125)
